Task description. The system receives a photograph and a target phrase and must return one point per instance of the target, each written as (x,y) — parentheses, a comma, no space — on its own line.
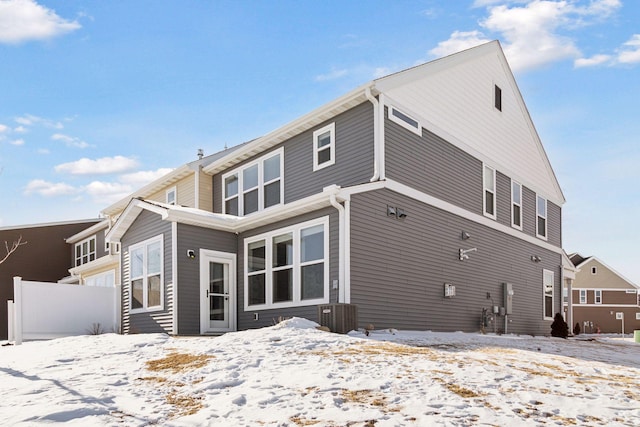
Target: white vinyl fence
(52,310)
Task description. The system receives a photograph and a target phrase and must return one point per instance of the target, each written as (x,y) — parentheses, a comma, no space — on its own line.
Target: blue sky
(97,98)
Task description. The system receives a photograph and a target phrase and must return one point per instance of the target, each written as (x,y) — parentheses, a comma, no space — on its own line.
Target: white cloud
(594,60)
(17,142)
(31,120)
(459,40)
(102,166)
(332,75)
(142,178)
(24,20)
(630,51)
(70,141)
(107,192)
(3,128)
(49,189)
(20,129)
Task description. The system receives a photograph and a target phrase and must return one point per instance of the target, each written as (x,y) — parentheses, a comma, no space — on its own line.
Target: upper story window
(497,97)
(583,296)
(324,147)
(111,248)
(405,120)
(594,270)
(288,267)
(516,205)
(541,214)
(86,251)
(255,186)
(171,198)
(597,296)
(146,275)
(548,293)
(489,198)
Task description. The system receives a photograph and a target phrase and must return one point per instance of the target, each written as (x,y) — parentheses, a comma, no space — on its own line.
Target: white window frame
(93,279)
(597,296)
(90,255)
(582,296)
(145,276)
(637,316)
(488,169)
(261,183)
(297,300)
(417,129)
(545,275)
(331,128)
(544,236)
(594,270)
(170,191)
(514,204)
(108,245)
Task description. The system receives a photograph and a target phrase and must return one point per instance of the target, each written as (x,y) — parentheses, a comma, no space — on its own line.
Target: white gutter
(376,134)
(341,245)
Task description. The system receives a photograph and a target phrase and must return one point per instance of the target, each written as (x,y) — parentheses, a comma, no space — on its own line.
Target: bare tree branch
(14,246)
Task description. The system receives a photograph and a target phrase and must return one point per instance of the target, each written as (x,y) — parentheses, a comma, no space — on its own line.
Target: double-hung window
(86,251)
(288,267)
(255,186)
(541,215)
(597,296)
(324,147)
(583,296)
(146,276)
(516,205)
(547,279)
(489,197)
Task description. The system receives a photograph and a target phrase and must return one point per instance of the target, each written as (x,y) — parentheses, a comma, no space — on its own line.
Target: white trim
(341,247)
(89,252)
(175,196)
(331,128)
(398,116)
(607,305)
(346,297)
(144,244)
(461,212)
(206,256)
(101,262)
(87,232)
(519,204)
(595,296)
(485,189)
(545,274)
(545,217)
(174,276)
(580,296)
(297,300)
(239,171)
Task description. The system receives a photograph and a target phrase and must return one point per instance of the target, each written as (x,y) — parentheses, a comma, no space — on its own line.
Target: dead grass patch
(301,421)
(183,404)
(178,362)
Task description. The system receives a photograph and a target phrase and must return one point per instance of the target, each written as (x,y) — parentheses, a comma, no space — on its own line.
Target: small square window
(171,196)
(497,97)
(324,147)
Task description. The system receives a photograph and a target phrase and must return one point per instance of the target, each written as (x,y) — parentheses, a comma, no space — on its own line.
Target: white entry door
(218,291)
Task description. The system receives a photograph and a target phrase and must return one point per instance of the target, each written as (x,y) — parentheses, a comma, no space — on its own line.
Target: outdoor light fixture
(191,253)
(391,211)
(465,235)
(535,258)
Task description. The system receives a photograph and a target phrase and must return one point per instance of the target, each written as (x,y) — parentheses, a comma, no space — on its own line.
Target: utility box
(508,298)
(340,318)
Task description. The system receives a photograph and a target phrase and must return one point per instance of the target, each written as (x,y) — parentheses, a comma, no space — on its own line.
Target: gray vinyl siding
(433,166)
(270,317)
(354,158)
(146,226)
(399,268)
(190,237)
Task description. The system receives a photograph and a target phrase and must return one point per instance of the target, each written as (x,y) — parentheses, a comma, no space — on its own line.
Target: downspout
(376,134)
(341,251)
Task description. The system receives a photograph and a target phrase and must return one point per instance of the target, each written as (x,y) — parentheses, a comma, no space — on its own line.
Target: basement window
(405,120)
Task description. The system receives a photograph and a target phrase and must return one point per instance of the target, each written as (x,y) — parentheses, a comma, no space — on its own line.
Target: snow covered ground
(294,375)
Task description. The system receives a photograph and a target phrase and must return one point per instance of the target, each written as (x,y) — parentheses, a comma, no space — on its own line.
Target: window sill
(146,310)
(280,305)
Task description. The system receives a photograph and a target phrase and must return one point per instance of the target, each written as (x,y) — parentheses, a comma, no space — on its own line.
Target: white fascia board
(129,215)
(88,232)
(309,120)
(101,262)
(461,212)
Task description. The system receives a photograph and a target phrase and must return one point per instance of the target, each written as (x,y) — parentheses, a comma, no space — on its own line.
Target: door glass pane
(272,194)
(216,278)
(256,256)
(153,291)
(231,186)
(251,202)
(272,168)
(256,289)
(136,293)
(313,281)
(283,285)
(283,250)
(216,308)
(312,243)
(250,177)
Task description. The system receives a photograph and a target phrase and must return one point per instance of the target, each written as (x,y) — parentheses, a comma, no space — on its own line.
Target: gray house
(423,200)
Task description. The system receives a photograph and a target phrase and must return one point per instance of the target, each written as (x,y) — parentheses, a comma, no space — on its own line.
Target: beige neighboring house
(601,299)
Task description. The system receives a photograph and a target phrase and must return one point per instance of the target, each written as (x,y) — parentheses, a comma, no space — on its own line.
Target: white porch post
(17,300)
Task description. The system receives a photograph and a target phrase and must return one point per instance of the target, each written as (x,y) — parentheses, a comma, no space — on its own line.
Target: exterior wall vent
(340,318)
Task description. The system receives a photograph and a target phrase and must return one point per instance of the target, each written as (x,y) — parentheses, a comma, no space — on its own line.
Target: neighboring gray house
(421,198)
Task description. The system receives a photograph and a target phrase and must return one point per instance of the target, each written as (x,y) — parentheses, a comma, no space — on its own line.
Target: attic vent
(405,120)
(497,97)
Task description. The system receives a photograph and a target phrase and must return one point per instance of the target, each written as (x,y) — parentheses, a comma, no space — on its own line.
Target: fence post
(10,320)
(17,305)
